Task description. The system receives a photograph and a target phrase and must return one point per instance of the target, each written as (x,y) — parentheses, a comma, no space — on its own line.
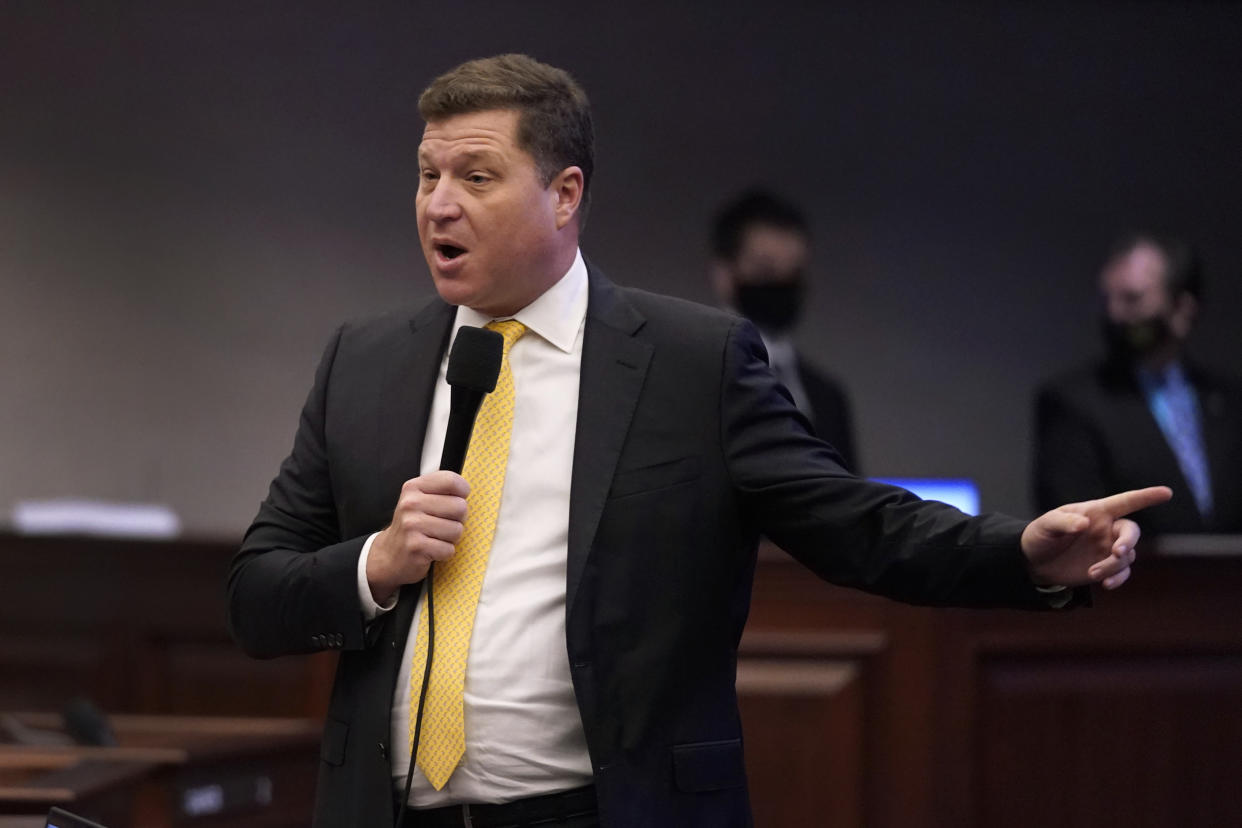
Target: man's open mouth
(449,251)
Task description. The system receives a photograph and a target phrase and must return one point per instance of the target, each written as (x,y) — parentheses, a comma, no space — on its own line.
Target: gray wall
(191,196)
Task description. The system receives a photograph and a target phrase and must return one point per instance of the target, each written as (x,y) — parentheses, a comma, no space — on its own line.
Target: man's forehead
(461,150)
(769,241)
(1139,269)
(478,130)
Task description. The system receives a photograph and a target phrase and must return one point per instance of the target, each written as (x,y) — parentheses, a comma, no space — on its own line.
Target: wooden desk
(170,771)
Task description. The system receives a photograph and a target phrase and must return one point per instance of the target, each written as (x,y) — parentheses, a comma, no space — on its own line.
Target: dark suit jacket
(1095,435)
(686,450)
(830,412)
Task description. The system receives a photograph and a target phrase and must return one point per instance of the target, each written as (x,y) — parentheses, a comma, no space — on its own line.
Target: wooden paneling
(984,718)
(1145,739)
(856,710)
(803,703)
(136,627)
(39,671)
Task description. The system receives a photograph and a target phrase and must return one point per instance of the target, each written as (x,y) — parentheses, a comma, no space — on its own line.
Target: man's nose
(443,203)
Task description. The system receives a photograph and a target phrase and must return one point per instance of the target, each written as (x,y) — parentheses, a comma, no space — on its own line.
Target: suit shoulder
(680,316)
(1083,380)
(377,325)
(1211,379)
(381,329)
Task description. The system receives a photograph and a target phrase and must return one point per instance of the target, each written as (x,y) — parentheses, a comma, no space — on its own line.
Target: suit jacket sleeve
(849,530)
(292,587)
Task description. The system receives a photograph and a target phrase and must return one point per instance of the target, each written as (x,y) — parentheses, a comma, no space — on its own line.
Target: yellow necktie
(458,581)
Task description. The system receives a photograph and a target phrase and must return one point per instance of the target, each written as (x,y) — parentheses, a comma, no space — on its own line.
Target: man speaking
(593,561)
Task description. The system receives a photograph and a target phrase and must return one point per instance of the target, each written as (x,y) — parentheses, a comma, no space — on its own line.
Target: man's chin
(453,294)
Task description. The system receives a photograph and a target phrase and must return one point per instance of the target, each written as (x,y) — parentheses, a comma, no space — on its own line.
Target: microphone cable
(422,694)
(473,367)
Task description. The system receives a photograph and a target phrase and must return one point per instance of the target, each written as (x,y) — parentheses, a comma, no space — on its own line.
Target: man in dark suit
(761,254)
(646,445)
(1145,413)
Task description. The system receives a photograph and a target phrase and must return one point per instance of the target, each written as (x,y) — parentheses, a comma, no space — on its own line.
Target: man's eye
(429,175)
(477,178)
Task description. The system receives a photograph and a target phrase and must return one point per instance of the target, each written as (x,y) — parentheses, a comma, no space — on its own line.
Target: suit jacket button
(383,749)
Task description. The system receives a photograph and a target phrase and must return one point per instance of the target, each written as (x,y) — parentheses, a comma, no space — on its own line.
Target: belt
(535,810)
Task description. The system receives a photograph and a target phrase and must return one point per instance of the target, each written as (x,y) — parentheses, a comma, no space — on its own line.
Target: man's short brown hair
(554,123)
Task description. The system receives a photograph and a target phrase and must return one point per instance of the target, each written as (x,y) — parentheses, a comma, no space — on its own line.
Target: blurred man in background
(1145,412)
(761,251)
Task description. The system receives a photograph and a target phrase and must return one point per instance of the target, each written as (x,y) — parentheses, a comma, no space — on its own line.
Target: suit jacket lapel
(1220,440)
(430,329)
(411,395)
(614,365)
(400,422)
(1136,425)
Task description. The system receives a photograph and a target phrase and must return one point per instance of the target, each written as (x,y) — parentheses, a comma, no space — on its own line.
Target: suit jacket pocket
(653,477)
(709,766)
(335,735)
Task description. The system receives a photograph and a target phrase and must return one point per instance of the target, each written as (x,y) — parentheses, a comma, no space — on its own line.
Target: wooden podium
(170,771)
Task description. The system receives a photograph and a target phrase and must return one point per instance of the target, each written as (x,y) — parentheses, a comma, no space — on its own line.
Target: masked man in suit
(1145,412)
(761,255)
(593,563)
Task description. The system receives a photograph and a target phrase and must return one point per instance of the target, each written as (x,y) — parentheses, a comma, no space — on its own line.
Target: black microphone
(87,724)
(474,365)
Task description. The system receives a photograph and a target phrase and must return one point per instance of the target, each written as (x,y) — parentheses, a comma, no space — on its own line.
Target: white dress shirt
(524,735)
(783,358)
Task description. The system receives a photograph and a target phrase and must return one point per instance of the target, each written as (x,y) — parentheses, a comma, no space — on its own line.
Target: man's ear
(566,188)
(1185,308)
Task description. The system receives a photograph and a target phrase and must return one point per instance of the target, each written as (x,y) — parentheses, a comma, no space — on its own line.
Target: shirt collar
(556,315)
(779,346)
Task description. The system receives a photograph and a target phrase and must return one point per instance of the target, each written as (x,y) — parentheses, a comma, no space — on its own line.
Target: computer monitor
(58,818)
(958,492)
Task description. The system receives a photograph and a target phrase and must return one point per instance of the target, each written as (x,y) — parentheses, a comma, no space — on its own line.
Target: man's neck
(1159,360)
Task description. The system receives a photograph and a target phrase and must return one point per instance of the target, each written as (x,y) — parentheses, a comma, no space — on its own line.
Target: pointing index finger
(1124,503)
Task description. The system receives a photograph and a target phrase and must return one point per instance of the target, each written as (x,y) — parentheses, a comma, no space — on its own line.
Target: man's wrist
(371,607)
(1056,596)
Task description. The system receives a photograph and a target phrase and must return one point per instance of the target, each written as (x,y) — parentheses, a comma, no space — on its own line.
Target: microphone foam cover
(474,362)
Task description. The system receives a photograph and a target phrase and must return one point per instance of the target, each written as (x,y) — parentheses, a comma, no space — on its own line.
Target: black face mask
(1127,341)
(773,306)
